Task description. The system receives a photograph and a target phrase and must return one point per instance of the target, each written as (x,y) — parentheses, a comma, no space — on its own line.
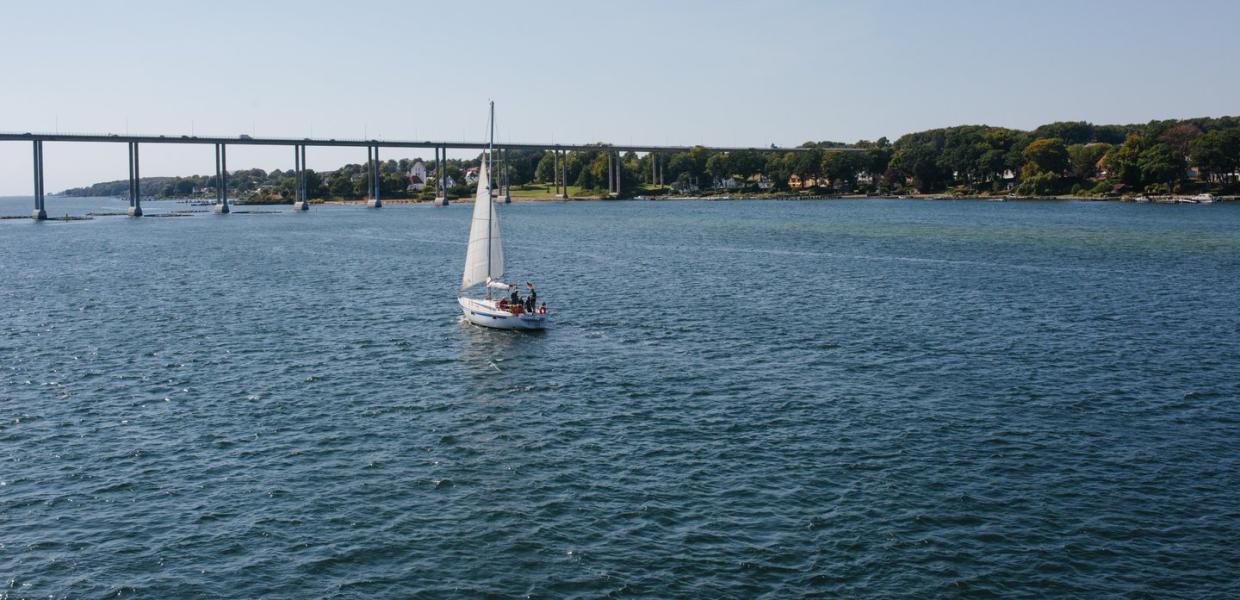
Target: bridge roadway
(560,152)
(245,140)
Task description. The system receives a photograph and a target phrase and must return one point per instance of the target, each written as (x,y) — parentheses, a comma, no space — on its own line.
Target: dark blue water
(738,399)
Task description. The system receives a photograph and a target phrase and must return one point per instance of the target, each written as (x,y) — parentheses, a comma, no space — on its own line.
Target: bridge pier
(613,174)
(505,183)
(555,171)
(40,210)
(373,158)
(441,176)
(562,192)
(135,186)
(221,180)
(299,179)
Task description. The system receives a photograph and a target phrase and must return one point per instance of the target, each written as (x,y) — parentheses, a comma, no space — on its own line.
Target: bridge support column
(613,174)
(441,176)
(300,201)
(135,182)
(505,183)
(373,156)
(555,171)
(564,174)
(40,210)
(221,180)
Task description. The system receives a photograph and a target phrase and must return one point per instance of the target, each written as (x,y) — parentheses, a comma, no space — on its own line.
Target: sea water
(735,399)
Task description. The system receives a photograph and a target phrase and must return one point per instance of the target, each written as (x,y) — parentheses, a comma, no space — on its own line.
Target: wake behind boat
(484,264)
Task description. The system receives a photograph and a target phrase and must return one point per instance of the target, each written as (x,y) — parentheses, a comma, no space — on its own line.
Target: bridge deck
(357,143)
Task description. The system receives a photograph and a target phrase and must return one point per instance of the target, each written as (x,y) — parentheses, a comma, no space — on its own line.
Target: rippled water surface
(737,399)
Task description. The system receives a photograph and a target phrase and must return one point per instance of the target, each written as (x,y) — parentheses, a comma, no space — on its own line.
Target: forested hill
(1159,157)
(119,187)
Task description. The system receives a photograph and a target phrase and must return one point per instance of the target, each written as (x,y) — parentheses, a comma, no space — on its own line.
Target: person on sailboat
(532,299)
(515,299)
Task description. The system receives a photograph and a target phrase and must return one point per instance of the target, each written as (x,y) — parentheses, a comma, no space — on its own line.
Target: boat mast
(490,208)
(490,149)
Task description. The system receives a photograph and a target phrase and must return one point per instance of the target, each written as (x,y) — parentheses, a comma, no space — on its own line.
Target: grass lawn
(546,191)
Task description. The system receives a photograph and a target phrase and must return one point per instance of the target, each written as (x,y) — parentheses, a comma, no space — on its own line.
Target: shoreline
(922,197)
(723,197)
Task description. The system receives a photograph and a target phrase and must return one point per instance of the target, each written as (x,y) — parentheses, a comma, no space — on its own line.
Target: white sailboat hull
(486,314)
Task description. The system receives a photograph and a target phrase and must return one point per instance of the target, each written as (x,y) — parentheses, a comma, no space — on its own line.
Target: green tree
(1071,132)
(1123,162)
(962,150)
(842,168)
(1046,155)
(1179,137)
(808,163)
(1083,159)
(1040,184)
(718,167)
(877,156)
(779,167)
(1217,154)
(314,184)
(1161,164)
(746,163)
(916,156)
(1000,153)
(392,184)
(683,163)
(592,171)
(340,185)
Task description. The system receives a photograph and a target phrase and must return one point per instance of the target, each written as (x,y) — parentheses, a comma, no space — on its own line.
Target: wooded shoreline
(1063,159)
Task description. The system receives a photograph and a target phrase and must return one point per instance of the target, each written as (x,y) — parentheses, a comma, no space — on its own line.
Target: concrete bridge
(560,153)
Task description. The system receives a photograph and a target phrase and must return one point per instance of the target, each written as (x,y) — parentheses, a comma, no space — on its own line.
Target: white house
(417,175)
(471,175)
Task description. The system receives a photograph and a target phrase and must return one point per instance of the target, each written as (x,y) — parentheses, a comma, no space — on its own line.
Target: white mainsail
(484,258)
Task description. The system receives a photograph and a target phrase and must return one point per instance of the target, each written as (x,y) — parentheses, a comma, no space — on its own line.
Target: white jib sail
(484,258)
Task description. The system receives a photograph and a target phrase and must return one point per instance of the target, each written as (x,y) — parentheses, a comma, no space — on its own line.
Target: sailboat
(484,263)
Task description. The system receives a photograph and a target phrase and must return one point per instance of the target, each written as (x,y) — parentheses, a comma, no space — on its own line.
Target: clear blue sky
(743,73)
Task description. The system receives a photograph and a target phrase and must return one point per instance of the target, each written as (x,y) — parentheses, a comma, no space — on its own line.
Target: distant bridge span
(372,149)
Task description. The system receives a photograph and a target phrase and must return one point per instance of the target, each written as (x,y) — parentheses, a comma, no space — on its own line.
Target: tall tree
(1123,162)
(1046,155)
(1083,159)
(745,163)
(545,172)
(718,166)
(916,156)
(1179,137)
(1217,154)
(1161,164)
(843,167)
